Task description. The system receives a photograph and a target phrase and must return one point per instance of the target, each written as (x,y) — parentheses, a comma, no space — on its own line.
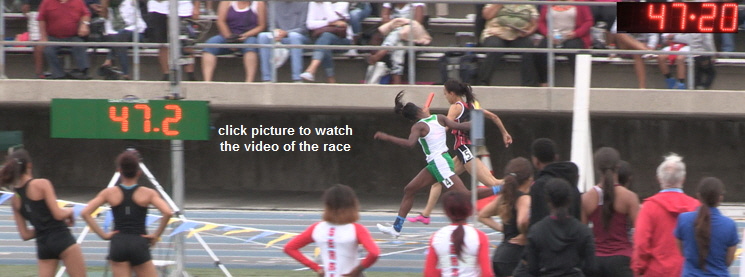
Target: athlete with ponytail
(462,101)
(429,131)
(458,249)
(513,207)
(129,249)
(707,239)
(559,244)
(612,209)
(36,202)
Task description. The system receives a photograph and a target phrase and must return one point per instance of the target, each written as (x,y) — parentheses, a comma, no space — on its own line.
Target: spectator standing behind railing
(30,9)
(705,72)
(707,238)
(68,21)
(289,23)
(508,25)
(394,19)
(157,23)
(655,250)
(122,20)
(571,29)
(238,22)
(327,22)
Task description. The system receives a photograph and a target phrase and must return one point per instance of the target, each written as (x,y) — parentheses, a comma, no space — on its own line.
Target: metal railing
(409,47)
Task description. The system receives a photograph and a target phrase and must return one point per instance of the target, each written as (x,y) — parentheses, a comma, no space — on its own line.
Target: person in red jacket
(570,29)
(656,251)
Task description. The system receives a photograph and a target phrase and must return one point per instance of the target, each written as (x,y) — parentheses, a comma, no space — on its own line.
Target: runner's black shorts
(50,246)
(131,248)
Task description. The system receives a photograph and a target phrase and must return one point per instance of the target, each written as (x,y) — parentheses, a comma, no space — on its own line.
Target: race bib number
(447,182)
(467,155)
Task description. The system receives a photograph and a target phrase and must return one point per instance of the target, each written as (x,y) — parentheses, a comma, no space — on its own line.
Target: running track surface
(405,254)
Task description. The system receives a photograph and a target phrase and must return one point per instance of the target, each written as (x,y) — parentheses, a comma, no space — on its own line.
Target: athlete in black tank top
(129,250)
(35,202)
(129,218)
(37,212)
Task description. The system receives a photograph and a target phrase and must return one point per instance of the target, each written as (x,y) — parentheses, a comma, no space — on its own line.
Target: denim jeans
(296,54)
(728,42)
(79,53)
(120,53)
(325,55)
(359,14)
(219,39)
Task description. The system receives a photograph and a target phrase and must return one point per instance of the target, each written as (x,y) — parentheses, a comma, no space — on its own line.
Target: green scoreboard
(130,119)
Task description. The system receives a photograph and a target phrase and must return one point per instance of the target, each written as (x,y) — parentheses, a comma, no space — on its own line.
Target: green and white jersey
(435,142)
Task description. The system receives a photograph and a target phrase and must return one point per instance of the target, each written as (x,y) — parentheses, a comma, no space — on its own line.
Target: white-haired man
(656,252)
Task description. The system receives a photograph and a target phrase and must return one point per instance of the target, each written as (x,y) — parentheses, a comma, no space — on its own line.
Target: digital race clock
(129,119)
(677,17)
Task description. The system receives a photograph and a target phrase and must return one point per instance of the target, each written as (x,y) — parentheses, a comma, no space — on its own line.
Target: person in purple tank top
(612,210)
(237,22)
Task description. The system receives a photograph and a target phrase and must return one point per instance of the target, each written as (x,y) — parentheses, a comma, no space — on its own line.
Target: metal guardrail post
(550,45)
(136,47)
(272,25)
(691,66)
(2,47)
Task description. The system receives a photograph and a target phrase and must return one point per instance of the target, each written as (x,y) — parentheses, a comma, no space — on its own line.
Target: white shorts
(33,26)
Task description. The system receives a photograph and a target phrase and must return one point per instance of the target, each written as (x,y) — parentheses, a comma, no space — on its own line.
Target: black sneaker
(79,74)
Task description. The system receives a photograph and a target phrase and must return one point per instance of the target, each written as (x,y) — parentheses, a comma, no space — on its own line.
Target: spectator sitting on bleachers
(327,22)
(157,23)
(571,29)
(238,22)
(122,21)
(606,15)
(65,20)
(684,43)
(394,19)
(643,41)
(94,6)
(358,11)
(30,9)
(289,21)
(508,25)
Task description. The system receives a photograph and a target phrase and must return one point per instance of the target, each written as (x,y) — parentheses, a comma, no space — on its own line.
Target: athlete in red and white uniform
(458,249)
(338,237)
(338,244)
(475,258)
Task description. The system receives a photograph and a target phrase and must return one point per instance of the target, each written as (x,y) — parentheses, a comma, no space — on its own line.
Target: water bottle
(558,37)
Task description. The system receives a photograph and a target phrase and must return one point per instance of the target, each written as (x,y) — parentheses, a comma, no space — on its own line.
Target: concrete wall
(707,128)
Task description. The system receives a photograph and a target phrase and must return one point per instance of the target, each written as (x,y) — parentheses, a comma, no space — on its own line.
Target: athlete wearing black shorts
(128,245)
(129,250)
(52,236)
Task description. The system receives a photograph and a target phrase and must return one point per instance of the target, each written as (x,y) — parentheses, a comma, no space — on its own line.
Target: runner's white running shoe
(388,230)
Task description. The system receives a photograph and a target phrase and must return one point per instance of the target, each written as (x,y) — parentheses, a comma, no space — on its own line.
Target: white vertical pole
(581,135)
